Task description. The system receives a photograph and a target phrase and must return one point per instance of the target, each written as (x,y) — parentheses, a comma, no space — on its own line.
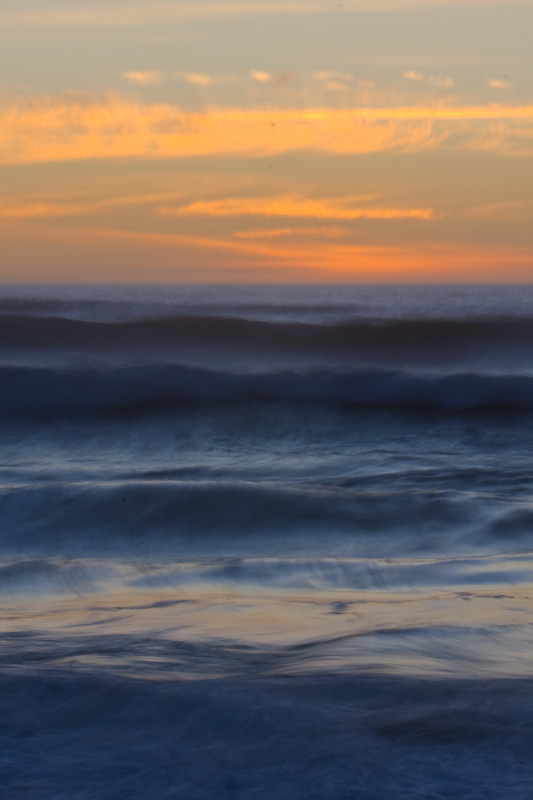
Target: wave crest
(43,390)
(391,342)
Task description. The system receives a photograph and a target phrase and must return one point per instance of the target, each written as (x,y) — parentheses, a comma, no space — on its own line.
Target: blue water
(266,542)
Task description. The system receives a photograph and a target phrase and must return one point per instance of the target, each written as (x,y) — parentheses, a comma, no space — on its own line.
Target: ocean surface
(266,542)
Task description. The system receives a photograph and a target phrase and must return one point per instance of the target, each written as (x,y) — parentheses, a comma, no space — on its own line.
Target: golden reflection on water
(419,632)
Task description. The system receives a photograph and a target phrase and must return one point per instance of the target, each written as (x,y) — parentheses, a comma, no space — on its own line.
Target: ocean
(266,542)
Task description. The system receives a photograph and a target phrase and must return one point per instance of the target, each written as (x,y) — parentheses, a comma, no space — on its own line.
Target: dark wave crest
(430,341)
(26,390)
(224,517)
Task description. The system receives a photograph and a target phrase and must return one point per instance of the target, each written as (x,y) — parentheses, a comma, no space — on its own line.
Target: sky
(266,141)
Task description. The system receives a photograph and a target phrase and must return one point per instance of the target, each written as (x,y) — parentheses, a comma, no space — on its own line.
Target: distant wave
(397,342)
(31,390)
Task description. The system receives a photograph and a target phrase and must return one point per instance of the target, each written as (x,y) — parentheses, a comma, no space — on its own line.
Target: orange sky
(266,142)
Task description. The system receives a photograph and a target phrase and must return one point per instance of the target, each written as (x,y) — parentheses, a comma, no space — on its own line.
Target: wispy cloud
(336,81)
(333,75)
(498,83)
(332,261)
(438,81)
(137,199)
(207,79)
(291,206)
(36,210)
(198,79)
(412,75)
(70,128)
(164,12)
(261,76)
(277,233)
(94,205)
(147,78)
(510,140)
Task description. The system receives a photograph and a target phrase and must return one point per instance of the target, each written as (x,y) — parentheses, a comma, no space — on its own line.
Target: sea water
(266,542)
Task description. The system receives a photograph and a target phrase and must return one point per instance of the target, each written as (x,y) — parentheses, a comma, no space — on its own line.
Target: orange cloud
(327,262)
(198,79)
(48,254)
(498,83)
(333,75)
(412,75)
(290,207)
(63,129)
(37,210)
(277,233)
(199,243)
(148,78)
(259,75)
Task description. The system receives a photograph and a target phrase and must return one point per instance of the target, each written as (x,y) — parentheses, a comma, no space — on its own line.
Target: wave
(327,574)
(232,518)
(224,517)
(429,341)
(29,390)
(60,575)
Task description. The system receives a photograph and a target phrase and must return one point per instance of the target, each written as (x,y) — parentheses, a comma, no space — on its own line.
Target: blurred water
(266,542)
